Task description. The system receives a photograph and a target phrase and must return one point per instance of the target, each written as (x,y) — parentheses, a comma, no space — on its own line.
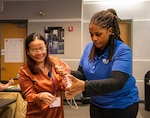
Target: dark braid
(106,19)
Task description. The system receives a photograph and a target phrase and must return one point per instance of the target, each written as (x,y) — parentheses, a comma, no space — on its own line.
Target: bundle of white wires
(72,101)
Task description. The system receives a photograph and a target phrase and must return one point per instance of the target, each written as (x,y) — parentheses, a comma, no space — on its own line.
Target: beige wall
(62,13)
(53,9)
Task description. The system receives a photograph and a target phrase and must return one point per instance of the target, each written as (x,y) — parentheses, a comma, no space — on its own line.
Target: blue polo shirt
(101,69)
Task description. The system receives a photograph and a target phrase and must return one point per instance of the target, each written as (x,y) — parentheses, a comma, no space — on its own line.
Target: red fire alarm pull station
(70,28)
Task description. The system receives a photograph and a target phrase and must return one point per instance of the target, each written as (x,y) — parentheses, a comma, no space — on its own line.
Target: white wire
(73,103)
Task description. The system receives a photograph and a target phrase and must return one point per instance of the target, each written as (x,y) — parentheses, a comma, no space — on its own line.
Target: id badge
(56,103)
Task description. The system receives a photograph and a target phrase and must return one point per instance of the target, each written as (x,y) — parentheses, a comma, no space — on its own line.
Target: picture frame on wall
(55,39)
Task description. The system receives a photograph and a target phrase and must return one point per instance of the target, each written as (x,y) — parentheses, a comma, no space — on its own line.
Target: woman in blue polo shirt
(106,68)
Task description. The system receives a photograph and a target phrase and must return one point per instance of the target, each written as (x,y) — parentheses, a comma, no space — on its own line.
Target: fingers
(72,78)
(77,87)
(11,81)
(50,100)
(61,70)
(68,95)
(47,98)
(70,92)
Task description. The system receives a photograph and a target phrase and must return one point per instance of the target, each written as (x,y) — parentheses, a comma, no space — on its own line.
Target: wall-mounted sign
(13,48)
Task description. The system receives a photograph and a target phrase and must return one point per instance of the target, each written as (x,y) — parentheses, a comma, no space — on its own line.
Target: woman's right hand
(47,97)
(77,86)
(10,82)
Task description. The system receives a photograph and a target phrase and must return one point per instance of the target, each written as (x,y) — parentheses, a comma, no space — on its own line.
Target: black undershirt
(101,87)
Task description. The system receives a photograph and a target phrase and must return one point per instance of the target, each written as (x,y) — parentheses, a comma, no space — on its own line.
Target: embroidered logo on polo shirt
(105,61)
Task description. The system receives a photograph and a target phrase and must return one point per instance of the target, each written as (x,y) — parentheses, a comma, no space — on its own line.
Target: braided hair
(106,19)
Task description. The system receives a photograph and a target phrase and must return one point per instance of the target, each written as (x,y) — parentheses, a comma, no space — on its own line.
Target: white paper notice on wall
(14,50)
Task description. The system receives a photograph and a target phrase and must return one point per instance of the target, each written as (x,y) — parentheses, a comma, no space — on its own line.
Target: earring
(112,34)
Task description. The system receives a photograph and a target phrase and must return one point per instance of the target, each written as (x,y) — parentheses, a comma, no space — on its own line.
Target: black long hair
(106,19)
(30,62)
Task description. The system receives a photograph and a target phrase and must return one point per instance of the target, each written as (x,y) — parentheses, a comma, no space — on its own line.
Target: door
(11,31)
(125,29)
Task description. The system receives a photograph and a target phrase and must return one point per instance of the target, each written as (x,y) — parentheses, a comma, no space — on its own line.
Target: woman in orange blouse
(39,81)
